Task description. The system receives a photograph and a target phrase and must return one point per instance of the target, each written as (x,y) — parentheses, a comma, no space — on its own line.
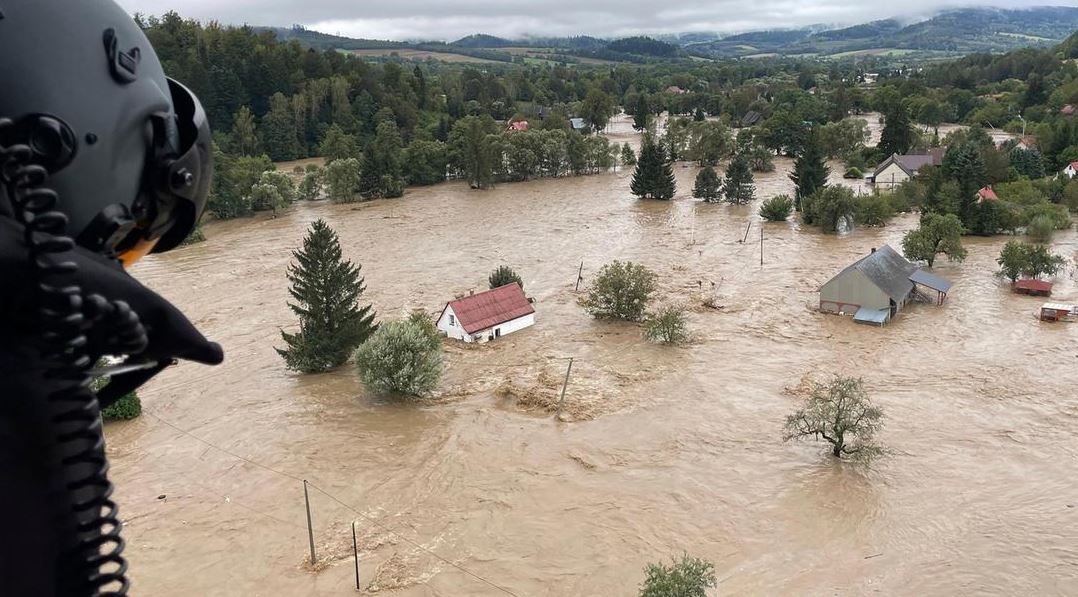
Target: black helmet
(128,149)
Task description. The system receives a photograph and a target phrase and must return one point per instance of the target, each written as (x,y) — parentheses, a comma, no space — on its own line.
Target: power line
(336,499)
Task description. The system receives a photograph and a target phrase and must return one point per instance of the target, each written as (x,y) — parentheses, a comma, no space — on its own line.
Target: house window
(452,320)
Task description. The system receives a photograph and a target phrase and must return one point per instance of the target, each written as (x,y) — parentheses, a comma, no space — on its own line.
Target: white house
(897,169)
(487,315)
(1071,169)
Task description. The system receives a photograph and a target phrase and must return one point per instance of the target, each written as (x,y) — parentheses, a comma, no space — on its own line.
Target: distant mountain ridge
(947,32)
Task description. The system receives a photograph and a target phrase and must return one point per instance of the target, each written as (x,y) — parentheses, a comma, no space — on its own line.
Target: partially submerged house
(1032,287)
(578,124)
(876,287)
(487,315)
(1071,170)
(675,90)
(518,126)
(1058,312)
(897,169)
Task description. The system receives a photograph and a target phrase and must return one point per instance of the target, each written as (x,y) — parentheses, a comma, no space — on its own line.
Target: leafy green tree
(1018,259)
(310,187)
(342,180)
(380,167)
(471,150)
(897,136)
(621,290)
(597,109)
(641,113)
(685,577)
(653,178)
(1027,162)
(628,157)
(777,208)
(936,234)
(402,357)
(842,414)
(1040,229)
(502,276)
(426,161)
(326,288)
(266,197)
(738,187)
(810,170)
(707,185)
(282,182)
(244,134)
(873,209)
(125,408)
(337,145)
(783,132)
(828,207)
(708,142)
(667,326)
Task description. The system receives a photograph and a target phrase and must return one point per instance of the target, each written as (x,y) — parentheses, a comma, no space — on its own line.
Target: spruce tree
(653,178)
(738,187)
(641,113)
(897,135)
(810,170)
(628,156)
(707,185)
(326,289)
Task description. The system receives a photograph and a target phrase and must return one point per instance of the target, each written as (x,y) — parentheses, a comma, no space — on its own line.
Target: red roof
(487,309)
(987,193)
(1068,109)
(1074,165)
(520,125)
(1035,285)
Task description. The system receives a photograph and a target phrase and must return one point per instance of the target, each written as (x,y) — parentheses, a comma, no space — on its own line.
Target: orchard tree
(707,185)
(936,234)
(628,156)
(653,178)
(840,413)
(738,186)
(620,291)
(684,577)
(326,288)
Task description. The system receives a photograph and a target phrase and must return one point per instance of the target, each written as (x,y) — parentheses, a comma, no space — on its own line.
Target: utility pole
(564,384)
(310,529)
(355,552)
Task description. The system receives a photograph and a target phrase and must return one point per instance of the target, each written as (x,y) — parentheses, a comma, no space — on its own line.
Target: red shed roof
(987,193)
(487,309)
(1035,285)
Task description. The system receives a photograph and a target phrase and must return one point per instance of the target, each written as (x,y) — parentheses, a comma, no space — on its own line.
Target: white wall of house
(450,326)
(1070,171)
(890,177)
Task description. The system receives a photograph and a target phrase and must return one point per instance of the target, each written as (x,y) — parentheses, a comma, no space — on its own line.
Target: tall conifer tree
(738,187)
(326,289)
(810,170)
(653,178)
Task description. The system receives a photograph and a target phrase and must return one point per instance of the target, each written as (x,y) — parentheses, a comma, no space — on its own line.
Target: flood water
(662,450)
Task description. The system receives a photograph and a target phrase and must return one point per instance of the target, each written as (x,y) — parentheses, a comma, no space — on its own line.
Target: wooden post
(761,246)
(355,552)
(564,384)
(579,276)
(747,231)
(310,529)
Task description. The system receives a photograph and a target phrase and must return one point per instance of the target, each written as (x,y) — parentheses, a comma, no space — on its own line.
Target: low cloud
(438,20)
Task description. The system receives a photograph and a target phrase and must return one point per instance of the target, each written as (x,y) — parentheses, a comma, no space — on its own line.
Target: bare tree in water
(841,413)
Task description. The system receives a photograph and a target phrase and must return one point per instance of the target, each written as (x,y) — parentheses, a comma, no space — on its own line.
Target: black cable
(92,561)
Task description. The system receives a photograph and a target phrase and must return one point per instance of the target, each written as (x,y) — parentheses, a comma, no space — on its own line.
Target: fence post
(579,276)
(564,384)
(355,553)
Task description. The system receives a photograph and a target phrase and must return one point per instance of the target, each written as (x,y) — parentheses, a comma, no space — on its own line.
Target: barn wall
(849,290)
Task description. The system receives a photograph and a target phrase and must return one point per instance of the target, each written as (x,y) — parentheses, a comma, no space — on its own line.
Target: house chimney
(873,250)
(471,291)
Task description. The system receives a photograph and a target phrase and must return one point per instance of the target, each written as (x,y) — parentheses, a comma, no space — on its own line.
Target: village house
(897,169)
(986,194)
(518,126)
(675,89)
(1068,110)
(1071,170)
(487,315)
(876,287)
(577,124)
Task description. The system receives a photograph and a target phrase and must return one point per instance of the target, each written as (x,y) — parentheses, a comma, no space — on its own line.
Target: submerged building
(878,286)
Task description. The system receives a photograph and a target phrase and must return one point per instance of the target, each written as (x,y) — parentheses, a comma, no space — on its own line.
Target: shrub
(196,236)
(1040,229)
(342,179)
(777,208)
(667,326)
(873,210)
(502,276)
(265,197)
(620,291)
(127,407)
(282,182)
(310,188)
(686,577)
(402,357)
(827,207)
(853,172)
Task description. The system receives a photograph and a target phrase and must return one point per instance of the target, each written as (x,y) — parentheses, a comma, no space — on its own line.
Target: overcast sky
(452,19)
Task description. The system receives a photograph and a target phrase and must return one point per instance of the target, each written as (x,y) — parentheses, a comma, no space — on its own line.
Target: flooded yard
(663,450)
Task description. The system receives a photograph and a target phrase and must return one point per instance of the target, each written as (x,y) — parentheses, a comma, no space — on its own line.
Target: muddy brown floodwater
(664,450)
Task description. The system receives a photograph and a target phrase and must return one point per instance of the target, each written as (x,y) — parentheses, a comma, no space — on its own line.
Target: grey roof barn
(873,288)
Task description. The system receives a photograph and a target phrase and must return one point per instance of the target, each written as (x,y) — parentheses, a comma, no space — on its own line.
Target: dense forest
(400,123)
